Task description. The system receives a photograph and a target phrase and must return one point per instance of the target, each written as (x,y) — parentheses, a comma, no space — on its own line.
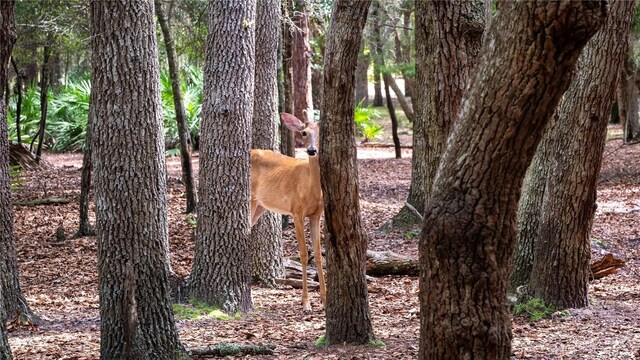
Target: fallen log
(297,283)
(370,144)
(43,201)
(606,266)
(232,349)
(381,263)
(293,270)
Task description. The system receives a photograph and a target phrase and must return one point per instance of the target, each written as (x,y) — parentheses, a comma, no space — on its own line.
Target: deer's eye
(304,133)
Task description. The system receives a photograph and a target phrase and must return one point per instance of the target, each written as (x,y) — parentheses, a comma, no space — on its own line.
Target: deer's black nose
(311,152)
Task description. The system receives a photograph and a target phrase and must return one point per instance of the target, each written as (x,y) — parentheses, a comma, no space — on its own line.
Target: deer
(291,186)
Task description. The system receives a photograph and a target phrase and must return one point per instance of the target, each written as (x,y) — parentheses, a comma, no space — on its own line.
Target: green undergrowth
(322,341)
(535,309)
(197,309)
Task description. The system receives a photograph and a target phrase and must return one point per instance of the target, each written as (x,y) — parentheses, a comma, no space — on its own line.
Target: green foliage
(68,115)
(192,220)
(377,343)
(15,176)
(197,309)
(191,86)
(535,309)
(322,341)
(365,127)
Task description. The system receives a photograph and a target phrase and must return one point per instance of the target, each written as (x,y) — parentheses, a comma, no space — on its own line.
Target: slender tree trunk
(7,39)
(44,89)
(347,307)
(266,234)
(406,108)
(136,319)
(362,78)
(376,51)
(627,94)
(183,127)
(406,43)
(448,39)
(301,63)
(85,228)
(560,273)
(287,145)
(392,113)
(19,77)
(221,265)
(469,229)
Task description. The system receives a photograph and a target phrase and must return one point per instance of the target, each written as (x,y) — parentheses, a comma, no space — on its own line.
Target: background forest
(451,140)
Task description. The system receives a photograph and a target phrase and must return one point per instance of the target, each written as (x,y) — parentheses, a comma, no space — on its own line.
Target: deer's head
(309,131)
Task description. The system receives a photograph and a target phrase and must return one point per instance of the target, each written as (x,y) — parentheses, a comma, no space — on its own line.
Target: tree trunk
(266,234)
(347,309)
(392,113)
(362,79)
(7,242)
(44,88)
(627,94)
(406,43)
(301,63)
(136,319)
(183,127)
(408,111)
(376,51)
(469,229)
(287,145)
(85,228)
(560,273)
(448,39)
(19,76)
(221,265)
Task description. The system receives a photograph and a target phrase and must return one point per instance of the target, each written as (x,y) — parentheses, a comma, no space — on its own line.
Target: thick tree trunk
(266,234)
(7,279)
(85,228)
(287,145)
(136,319)
(392,113)
(448,38)
(347,307)
(183,127)
(561,271)
(627,94)
(469,229)
(222,262)
(301,63)
(362,79)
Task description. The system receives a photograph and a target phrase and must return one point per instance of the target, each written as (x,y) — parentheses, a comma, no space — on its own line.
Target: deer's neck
(314,168)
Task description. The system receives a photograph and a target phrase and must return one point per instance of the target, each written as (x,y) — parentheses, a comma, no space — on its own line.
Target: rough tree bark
(7,39)
(301,63)
(448,39)
(468,234)
(183,127)
(560,272)
(347,308)
(362,78)
(627,94)
(136,319)
(266,234)
(221,266)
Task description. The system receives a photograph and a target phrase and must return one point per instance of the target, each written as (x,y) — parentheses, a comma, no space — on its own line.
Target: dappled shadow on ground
(60,281)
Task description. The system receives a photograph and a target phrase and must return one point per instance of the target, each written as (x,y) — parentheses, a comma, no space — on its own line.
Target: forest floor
(59,278)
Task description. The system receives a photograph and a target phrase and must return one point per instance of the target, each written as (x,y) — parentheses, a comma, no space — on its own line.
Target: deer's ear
(292,122)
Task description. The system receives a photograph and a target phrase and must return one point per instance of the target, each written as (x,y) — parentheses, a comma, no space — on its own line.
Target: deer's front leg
(314,225)
(304,258)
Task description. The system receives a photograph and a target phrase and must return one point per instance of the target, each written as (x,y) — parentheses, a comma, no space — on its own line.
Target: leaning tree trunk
(181,120)
(387,79)
(7,38)
(347,307)
(468,234)
(448,39)
(136,319)
(44,88)
(301,63)
(221,265)
(266,234)
(560,273)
